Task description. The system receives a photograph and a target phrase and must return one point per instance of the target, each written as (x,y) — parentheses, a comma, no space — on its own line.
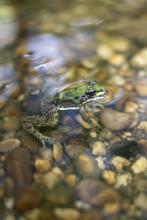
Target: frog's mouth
(100,97)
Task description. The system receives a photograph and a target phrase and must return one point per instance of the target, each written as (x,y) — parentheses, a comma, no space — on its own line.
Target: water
(97,168)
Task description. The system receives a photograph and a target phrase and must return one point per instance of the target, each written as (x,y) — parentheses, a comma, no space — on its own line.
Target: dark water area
(65,161)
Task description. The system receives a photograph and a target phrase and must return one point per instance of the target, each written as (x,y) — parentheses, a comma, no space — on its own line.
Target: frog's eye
(92,83)
(90,93)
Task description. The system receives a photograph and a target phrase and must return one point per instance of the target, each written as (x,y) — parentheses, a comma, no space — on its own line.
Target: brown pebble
(115,120)
(8,145)
(27,199)
(141,88)
(96,193)
(18,166)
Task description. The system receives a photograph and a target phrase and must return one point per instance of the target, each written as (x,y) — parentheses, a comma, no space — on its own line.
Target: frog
(73,96)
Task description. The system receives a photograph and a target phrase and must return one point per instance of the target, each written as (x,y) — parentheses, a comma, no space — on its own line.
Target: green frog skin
(72,96)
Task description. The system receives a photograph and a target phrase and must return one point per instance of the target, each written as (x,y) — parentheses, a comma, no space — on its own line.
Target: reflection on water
(97,167)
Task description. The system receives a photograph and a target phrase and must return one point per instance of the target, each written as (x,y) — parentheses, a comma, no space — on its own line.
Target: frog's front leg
(84,113)
(49,119)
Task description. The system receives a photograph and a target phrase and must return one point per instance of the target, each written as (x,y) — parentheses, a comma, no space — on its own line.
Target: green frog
(73,96)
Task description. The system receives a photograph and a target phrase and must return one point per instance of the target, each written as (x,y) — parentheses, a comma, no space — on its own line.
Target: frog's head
(93,91)
(79,93)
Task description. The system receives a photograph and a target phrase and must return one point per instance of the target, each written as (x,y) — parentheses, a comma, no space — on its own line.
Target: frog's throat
(93,99)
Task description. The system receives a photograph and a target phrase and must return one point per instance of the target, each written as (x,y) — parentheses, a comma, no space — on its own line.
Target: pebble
(18,166)
(104,51)
(141,88)
(42,165)
(120,44)
(111,208)
(86,165)
(117,60)
(27,199)
(141,201)
(143,126)
(33,214)
(118,81)
(98,148)
(123,180)
(46,154)
(95,192)
(140,165)
(115,120)
(130,107)
(50,179)
(57,152)
(100,162)
(9,217)
(8,145)
(93,134)
(67,213)
(120,162)
(140,59)
(109,176)
(71,180)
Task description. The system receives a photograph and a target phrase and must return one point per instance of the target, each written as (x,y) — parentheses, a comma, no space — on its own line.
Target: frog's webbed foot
(47,107)
(29,127)
(91,108)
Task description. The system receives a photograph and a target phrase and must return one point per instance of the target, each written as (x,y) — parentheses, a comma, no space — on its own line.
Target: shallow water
(97,169)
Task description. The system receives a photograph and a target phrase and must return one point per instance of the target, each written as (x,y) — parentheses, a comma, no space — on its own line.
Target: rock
(27,199)
(115,120)
(8,145)
(120,162)
(141,88)
(90,215)
(86,166)
(143,126)
(140,165)
(98,148)
(140,59)
(109,176)
(117,59)
(131,107)
(104,51)
(123,180)
(141,201)
(57,152)
(18,166)
(71,179)
(67,213)
(42,165)
(111,209)
(96,193)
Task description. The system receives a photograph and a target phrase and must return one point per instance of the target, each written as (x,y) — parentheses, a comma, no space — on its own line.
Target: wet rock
(98,148)
(109,176)
(141,201)
(131,106)
(67,213)
(104,51)
(57,152)
(71,179)
(86,166)
(123,180)
(114,120)
(117,59)
(61,194)
(141,88)
(143,126)
(27,199)
(42,165)
(120,162)
(140,165)
(18,166)
(140,59)
(8,145)
(90,215)
(111,209)
(96,193)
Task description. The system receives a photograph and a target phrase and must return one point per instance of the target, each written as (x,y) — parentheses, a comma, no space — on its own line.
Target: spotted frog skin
(73,96)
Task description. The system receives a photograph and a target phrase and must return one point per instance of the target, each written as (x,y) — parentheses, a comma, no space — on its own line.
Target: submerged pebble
(140,165)
(120,162)
(67,213)
(8,145)
(98,148)
(115,120)
(141,88)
